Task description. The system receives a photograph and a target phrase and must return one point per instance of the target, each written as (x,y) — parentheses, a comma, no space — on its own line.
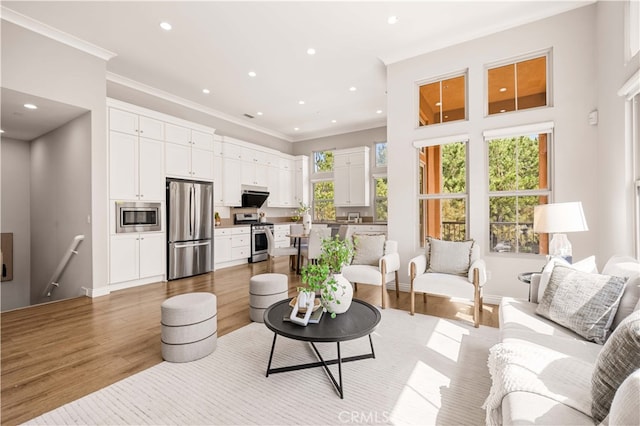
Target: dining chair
(274,251)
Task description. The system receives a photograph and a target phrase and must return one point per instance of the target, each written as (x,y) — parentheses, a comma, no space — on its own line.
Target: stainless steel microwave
(135,216)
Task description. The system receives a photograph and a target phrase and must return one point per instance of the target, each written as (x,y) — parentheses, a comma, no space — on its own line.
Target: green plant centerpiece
(325,278)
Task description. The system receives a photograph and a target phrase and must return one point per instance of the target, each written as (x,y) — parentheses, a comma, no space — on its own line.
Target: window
(323,208)
(380,198)
(518,85)
(322,161)
(443,190)
(443,100)
(380,149)
(518,181)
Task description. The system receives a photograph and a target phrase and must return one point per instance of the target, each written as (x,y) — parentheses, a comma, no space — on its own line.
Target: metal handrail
(53,282)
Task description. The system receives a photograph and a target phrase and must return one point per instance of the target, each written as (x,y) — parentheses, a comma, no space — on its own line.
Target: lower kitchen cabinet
(232,246)
(281,235)
(136,256)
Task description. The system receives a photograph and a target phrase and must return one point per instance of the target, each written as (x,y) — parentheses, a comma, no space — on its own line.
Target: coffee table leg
(373,354)
(273,345)
(340,389)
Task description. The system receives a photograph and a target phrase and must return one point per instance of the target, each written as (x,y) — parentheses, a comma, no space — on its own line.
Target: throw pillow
(583,302)
(449,257)
(585,265)
(368,249)
(625,266)
(624,407)
(618,359)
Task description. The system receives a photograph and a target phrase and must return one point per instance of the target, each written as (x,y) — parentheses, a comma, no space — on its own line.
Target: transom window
(443,190)
(518,85)
(518,181)
(322,161)
(443,100)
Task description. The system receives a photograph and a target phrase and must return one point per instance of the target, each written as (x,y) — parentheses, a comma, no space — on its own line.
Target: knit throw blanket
(522,367)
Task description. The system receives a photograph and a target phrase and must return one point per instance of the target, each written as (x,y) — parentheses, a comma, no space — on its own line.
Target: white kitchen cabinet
(240,243)
(232,245)
(135,124)
(188,162)
(301,180)
(351,177)
(136,256)
(189,137)
(231,174)
(281,235)
(254,167)
(280,183)
(222,245)
(135,168)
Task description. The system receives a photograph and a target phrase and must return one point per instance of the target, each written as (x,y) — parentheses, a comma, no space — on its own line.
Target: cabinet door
(152,257)
(201,164)
(150,170)
(247,173)
(150,128)
(123,121)
(123,260)
(358,186)
(341,186)
(231,171)
(177,160)
(273,184)
(286,187)
(222,248)
(176,134)
(218,198)
(123,171)
(202,140)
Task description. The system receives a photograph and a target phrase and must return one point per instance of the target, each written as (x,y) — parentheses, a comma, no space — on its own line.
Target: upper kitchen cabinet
(351,177)
(231,173)
(301,180)
(135,124)
(218,196)
(254,167)
(189,153)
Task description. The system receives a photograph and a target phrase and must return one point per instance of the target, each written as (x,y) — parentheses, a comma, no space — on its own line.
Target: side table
(525,277)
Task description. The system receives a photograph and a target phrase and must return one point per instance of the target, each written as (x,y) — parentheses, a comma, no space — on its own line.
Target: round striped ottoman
(264,291)
(189,326)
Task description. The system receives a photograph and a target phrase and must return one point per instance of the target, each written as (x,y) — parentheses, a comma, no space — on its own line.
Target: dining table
(297,242)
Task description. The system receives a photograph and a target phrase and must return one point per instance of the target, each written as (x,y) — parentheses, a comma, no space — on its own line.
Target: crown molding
(38,27)
(136,85)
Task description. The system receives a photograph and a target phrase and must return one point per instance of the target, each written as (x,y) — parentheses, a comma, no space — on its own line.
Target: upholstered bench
(189,326)
(264,291)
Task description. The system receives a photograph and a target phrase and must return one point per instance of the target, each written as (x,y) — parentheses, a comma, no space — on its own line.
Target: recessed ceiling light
(301,102)
(30,106)
(206,91)
(392,20)
(165,26)
(334,121)
(503,110)
(1,131)
(352,89)
(252,74)
(503,89)
(259,113)
(311,51)
(438,103)
(379,111)
(296,128)
(446,116)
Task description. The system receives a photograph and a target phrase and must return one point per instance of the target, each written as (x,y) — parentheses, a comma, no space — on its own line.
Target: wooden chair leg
(424,298)
(413,302)
(384,297)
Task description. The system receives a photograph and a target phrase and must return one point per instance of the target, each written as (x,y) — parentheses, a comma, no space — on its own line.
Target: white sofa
(522,327)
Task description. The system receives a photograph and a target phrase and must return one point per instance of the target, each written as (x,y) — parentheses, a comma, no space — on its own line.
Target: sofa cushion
(587,264)
(449,257)
(624,407)
(368,249)
(619,358)
(628,267)
(527,408)
(583,302)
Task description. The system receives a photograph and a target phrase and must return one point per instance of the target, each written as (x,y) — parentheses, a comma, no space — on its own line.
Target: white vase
(306,223)
(344,294)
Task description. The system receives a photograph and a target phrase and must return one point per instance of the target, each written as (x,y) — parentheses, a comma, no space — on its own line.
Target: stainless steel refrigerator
(189,228)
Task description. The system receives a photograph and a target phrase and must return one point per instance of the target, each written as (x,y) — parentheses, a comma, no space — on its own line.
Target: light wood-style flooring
(55,353)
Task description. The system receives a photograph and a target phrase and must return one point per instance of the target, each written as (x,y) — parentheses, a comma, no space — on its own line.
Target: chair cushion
(444,285)
(449,257)
(365,274)
(368,249)
(585,303)
(618,360)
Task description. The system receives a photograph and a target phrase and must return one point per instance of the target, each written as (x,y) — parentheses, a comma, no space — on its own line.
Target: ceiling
(215,44)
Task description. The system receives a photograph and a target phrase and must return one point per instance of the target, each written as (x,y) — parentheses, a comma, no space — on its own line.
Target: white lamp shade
(559,218)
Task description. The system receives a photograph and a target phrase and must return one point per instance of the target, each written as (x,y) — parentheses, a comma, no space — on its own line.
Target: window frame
(548,53)
(460,138)
(459,73)
(512,132)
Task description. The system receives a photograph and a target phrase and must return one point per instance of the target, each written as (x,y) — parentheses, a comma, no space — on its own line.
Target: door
(202,211)
(180,210)
(152,257)
(189,258)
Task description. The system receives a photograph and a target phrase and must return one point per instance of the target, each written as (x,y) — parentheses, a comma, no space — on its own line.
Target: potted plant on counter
(325,277)
(303,211)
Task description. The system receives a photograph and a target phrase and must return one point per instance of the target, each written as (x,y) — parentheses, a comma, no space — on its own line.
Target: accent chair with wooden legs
(374,263)
(449,269)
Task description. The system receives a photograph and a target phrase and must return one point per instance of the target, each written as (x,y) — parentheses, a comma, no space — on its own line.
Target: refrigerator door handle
(191,245)
(191,210)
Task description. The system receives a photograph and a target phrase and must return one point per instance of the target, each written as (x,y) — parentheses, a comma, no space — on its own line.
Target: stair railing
(53,282)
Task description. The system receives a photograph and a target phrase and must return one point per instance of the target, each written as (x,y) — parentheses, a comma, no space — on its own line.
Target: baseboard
(96,292)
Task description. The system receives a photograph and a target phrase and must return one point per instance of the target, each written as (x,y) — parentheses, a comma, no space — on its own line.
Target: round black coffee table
(359,321)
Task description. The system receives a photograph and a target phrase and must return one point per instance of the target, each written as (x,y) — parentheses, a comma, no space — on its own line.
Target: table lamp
(557,219)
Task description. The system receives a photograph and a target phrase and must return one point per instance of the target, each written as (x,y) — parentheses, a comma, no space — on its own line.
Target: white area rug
(427,370)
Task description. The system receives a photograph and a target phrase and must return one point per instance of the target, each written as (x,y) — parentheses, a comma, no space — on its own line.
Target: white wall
(60,205)
(615,160)
(37,65)
(572,38)
(15,179)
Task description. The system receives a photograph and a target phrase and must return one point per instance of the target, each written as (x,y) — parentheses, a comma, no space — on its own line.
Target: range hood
(253,198)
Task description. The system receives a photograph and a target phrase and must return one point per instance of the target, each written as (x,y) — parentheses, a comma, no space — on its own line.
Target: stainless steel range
(259,242)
